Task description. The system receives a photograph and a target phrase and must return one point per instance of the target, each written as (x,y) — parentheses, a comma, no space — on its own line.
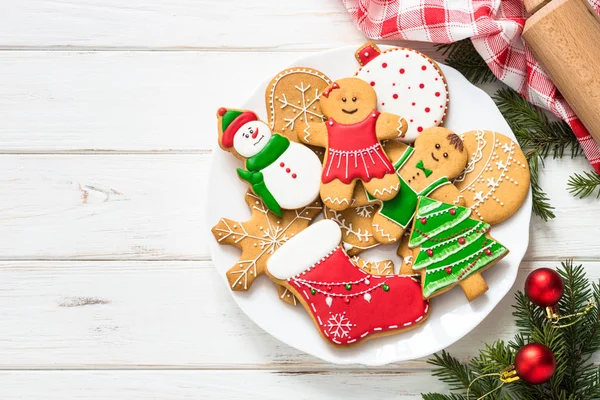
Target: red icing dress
(355,152)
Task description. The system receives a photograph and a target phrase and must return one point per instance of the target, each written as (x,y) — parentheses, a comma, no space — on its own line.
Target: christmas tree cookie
(346,303)
(407,83)
(451,248)
(284,174)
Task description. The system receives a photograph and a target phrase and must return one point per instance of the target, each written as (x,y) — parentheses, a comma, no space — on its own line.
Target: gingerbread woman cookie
(425,170)
(352,136)
(284,174)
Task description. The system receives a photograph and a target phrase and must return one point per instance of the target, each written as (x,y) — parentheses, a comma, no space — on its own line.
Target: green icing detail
(313,291)
(274,148)
(228,118)
(348,286)
(442,231)
(259,187)
(385,287)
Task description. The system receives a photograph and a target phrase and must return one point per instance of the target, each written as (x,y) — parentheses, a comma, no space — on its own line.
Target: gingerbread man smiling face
(349,101)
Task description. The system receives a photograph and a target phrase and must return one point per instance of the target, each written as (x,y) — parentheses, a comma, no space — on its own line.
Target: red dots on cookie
(427,109)
(411,120)
(424,67)
(384,65)
(294,176)
(395,96)
(461,240)
(394,84)
(423,221)
(402,70)
(222,111)
(282,164)
(422,85)
(287,170)
(448,270)
(407,56)
(372,83)
(414,104)
(488,252)
(430,252)
(452,211)
(420,129)
(437,94)
(383,104)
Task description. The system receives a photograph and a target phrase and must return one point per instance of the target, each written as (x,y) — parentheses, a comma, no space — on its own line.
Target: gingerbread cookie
(356,225)
(352,136)
(284,174)
(259,237)
(292,99)
(496,180)
(425,170)
(407,83)
(451,248)
(346,303)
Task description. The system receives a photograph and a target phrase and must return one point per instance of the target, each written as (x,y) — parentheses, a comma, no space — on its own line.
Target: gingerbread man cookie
(425,170)
(351,136)
(284,174)
(407,83)
(496,180)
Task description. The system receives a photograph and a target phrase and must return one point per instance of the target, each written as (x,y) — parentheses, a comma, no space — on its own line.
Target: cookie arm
(390,126)
(448,194)
(315,135)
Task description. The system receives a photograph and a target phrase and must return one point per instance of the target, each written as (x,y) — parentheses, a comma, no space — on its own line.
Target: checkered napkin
(495,28)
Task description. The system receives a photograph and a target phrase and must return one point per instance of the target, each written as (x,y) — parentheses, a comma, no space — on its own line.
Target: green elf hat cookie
(230,121)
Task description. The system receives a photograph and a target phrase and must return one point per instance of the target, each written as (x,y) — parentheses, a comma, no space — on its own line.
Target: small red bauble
(488,252)
(544,287)
(452,211)
(423,221)
(430,252)
(461,240)
(448,270)
(535,363)
(222,111)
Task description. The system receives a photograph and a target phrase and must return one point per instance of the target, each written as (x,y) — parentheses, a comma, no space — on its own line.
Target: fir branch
(539,137)
(528,316)
(584,185)
(462,56)
(451,371)
(437,396)
(532,127)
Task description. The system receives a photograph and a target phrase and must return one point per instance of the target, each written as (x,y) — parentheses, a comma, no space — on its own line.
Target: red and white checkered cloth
(494,26)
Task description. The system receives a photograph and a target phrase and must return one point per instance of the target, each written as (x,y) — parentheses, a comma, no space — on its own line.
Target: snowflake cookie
(259,237)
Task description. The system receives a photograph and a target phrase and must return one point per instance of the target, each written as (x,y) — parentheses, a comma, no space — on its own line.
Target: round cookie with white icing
(407,83)
(496,180)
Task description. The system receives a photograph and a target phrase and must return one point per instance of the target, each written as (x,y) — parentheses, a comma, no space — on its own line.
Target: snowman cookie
(496,180)
(351,136)
(407,83)
(284,174)
(425,170)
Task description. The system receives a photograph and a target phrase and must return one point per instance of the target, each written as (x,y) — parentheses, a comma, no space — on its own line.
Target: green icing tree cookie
(452,248)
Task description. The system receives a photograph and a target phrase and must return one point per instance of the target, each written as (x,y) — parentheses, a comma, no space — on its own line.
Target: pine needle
(584,185)
(463,57)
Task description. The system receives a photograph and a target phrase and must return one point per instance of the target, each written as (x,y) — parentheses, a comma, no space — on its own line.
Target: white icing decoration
(367,297)
(338,325)
(298,187)
(348,228)
(251,138)
(413,75)
(329,301)
(305,249)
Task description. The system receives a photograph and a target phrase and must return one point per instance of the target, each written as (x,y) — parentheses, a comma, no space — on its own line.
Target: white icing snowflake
(302,110)
(365,211)
(339,326)
(491,182)
(506,147)
(479,196)
(500,165)
(274,238)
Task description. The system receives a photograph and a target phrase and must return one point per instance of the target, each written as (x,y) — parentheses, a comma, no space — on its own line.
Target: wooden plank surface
(215,384)
(151,206)
(173,315)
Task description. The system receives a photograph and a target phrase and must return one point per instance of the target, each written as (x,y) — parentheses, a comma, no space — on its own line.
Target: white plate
(452,316)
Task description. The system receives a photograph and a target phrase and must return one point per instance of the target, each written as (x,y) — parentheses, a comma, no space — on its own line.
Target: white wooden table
(107,289)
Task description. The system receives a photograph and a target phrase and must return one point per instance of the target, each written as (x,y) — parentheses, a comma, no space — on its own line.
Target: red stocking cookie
(352,136)
(346,303)
(407,83)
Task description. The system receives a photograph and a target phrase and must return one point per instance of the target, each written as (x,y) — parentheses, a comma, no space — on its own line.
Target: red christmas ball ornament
(544,287)
(535,363)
